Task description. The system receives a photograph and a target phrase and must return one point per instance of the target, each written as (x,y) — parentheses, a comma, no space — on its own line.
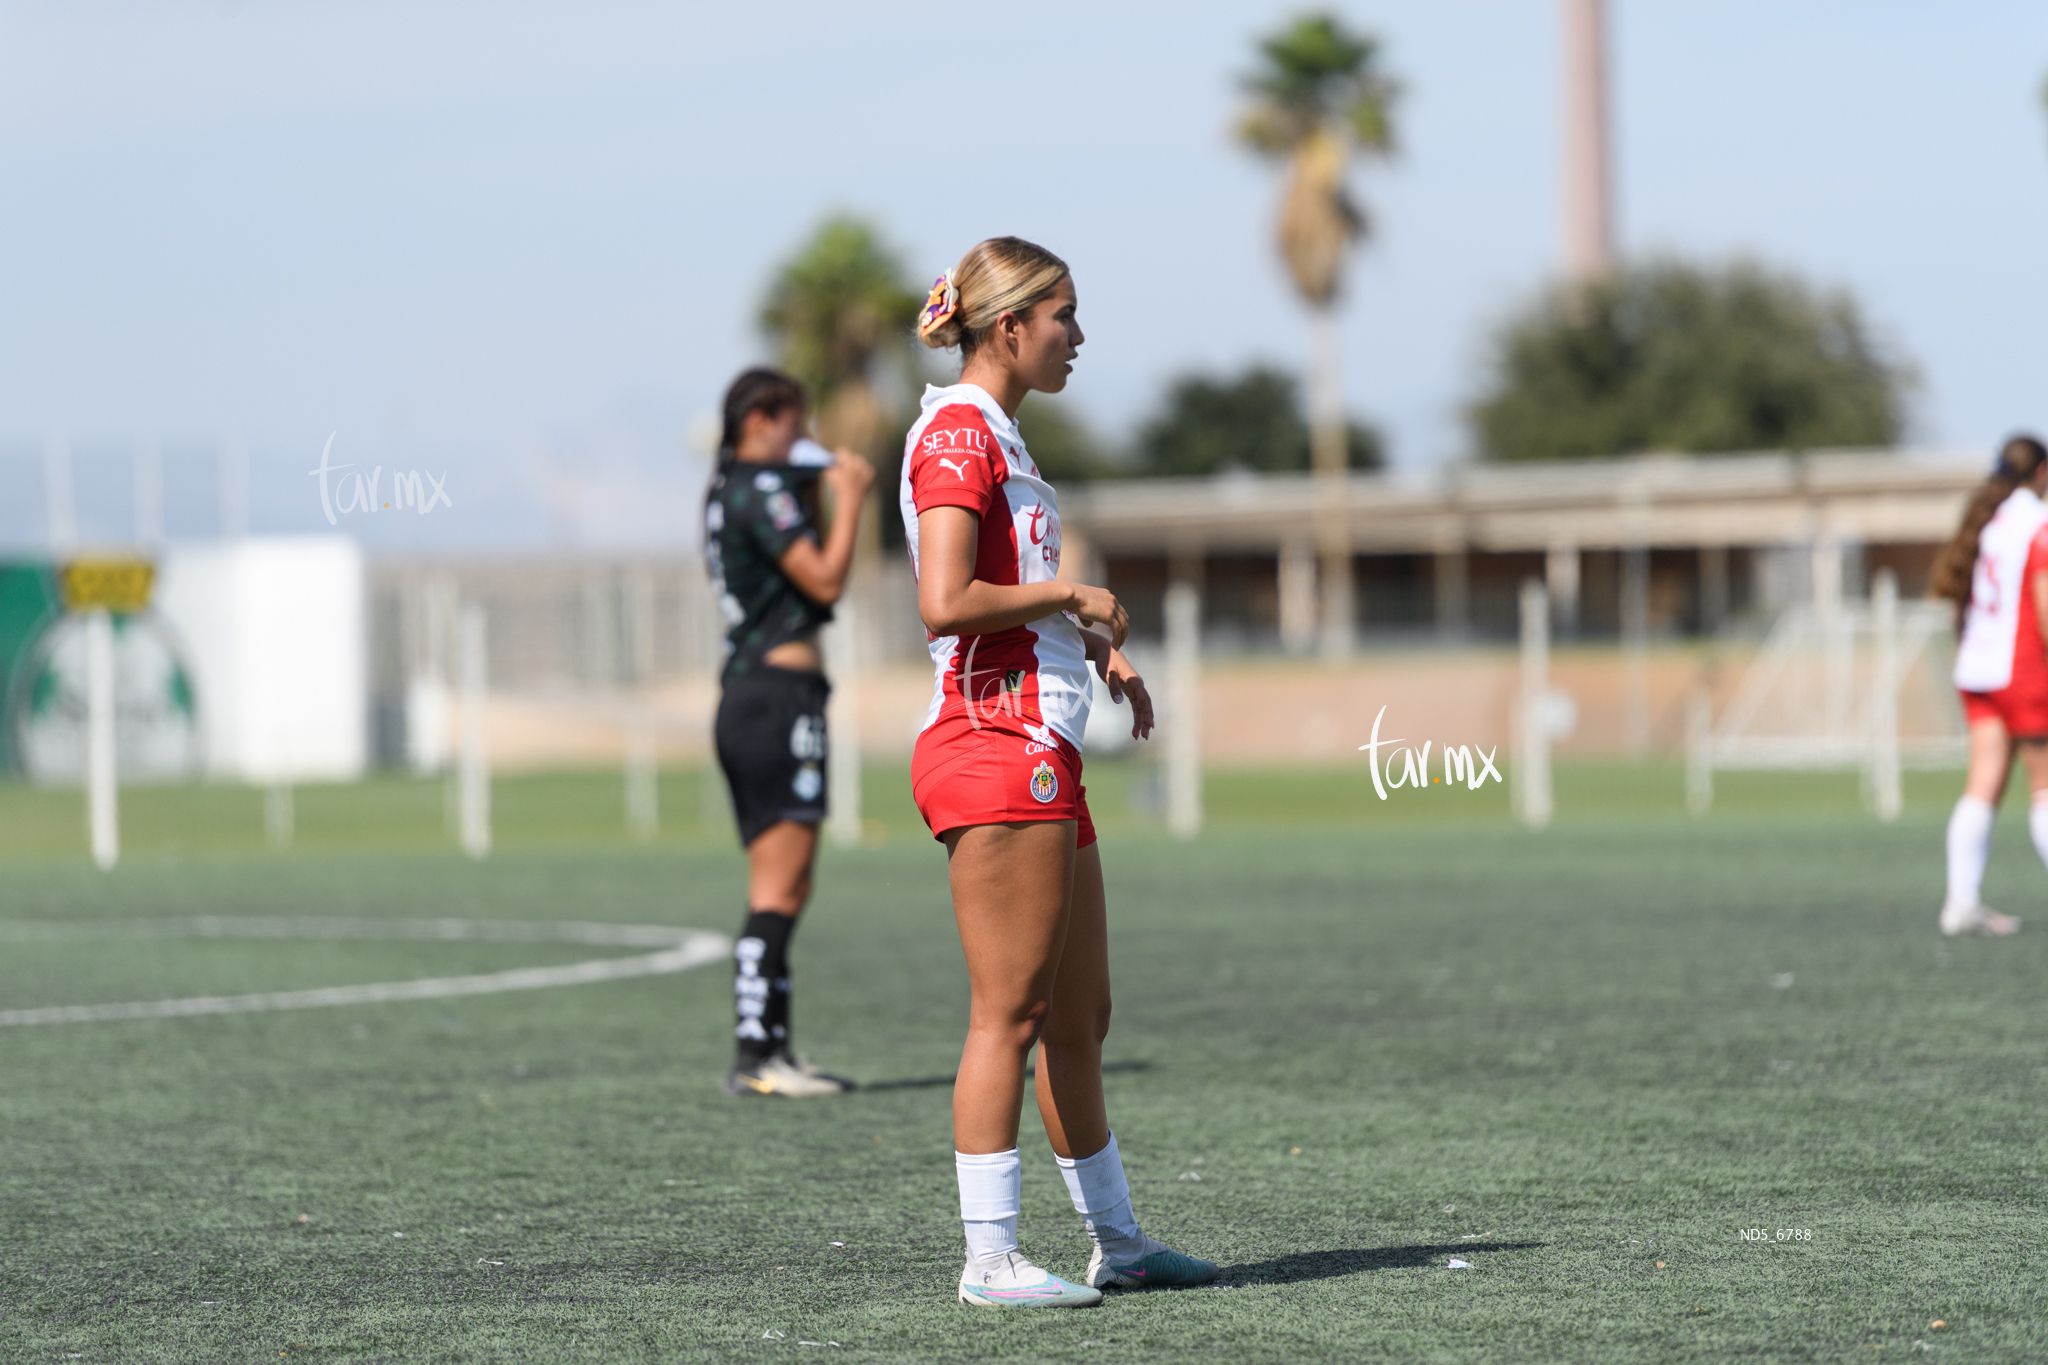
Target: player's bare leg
(779,866)
(1070,1043)
(1012,893)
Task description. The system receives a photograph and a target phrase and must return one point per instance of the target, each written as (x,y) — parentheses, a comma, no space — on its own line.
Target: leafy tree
(1677,357)
(1251,422)
(834,309)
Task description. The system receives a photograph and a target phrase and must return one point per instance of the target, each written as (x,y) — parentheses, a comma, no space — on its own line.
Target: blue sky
(523,244)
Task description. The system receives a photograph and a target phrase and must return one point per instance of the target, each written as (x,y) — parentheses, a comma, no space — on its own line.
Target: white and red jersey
(966,452)
(2001,642)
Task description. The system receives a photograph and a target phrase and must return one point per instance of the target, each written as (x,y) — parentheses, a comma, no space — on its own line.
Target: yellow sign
(121,585)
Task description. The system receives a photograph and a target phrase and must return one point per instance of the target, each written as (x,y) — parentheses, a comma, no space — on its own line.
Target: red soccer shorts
(962,774)
(2022,705)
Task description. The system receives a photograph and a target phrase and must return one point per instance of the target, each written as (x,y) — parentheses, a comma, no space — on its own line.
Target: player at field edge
(1995,570)
(775,579)
(997,776)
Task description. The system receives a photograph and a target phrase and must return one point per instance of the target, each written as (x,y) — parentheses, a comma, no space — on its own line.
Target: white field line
(685,948)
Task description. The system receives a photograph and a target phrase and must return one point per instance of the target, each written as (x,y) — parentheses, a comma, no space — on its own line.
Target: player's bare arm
(820,571)
(1122,679)
(952,601)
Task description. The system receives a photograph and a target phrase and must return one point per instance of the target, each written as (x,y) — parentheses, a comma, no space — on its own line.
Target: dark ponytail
(1954,568)
(758,390)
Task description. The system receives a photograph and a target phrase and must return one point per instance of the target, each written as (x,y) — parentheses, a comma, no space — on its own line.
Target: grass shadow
(1328,1265)
(933,1082)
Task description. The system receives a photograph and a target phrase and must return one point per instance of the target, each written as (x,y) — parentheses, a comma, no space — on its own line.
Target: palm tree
(833,310)
(1319,99)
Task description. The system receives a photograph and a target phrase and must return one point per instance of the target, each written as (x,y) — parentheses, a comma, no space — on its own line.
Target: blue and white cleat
(1159,1267)
(1013,1282)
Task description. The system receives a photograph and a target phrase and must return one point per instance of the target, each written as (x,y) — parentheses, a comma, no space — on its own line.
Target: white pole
(1884,702)
(1183,709)
(101,795)
(1532,730)
(643,791)
(842,723)
(280,817)
(1699,751)
(60,507)
(476,758)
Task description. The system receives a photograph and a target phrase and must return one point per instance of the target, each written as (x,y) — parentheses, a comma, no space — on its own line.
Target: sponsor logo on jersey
(1045,783)
(953,439)
(767,481)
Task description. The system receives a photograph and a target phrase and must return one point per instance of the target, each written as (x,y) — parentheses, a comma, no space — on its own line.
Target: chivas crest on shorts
(1045,783)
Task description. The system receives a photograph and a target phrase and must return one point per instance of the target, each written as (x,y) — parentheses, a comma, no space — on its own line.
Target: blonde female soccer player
(775,579)
(997,775)
(1996,572)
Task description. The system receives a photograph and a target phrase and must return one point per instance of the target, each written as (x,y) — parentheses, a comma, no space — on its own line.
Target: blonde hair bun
(998,276)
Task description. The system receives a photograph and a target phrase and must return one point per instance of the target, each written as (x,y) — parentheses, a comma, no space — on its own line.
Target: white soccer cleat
(798,1062)
(1010,1281)
(778,1075)
(1977,919)
(1158,1266)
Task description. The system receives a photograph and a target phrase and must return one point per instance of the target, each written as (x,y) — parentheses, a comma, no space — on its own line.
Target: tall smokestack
(1588,201)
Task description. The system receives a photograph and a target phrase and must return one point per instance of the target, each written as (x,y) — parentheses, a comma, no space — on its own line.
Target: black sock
(761,985)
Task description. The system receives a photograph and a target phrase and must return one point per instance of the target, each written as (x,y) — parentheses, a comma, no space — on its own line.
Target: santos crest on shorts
(966,452)
(1999,626)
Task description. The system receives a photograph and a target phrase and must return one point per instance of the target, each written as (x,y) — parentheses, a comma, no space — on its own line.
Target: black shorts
(771,743)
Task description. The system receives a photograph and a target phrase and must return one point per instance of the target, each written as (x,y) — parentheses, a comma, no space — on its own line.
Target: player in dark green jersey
(775,577)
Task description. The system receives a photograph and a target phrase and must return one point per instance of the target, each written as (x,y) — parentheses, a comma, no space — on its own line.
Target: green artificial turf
(1353,1040)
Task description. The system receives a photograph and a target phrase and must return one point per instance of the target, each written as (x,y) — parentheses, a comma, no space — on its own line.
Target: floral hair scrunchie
(940,304)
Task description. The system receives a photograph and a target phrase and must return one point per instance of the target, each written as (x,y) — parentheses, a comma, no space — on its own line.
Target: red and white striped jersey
(2001,635)
(966,452)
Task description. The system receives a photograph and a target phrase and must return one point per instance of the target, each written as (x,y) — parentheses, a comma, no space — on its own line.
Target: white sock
(2037,823)
(1969,848)
(991,1190)
(1103,1199)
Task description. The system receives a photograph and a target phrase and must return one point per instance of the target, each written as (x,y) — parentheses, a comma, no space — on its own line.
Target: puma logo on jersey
(960,469)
